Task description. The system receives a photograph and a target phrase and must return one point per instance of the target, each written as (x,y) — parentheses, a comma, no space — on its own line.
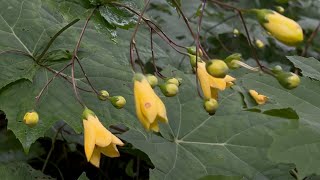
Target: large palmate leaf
(105,62)
(233,142)
(300,143)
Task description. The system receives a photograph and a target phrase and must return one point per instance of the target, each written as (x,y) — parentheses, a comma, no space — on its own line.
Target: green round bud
(103,95)
(192,50)
(231,60)
(173,81)
(217,68)
(288,80)
(31,118)
(211,105)
(259,43)
(280,9)
(193,60)
(277,69)
(118,101)
(169,89)
(236,32)
(152,79)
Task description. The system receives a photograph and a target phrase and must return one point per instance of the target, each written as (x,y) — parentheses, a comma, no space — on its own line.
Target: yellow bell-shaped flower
(149,107)
(259,98)
(210,85)
(282,28)
(97,139)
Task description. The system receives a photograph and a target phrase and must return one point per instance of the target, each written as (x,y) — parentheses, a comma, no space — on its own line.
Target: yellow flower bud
(259,43)
(103,95)
(217,68)
(31,118)
(153,80)
(169,89)
(118,101)
(211,105)
(282,28)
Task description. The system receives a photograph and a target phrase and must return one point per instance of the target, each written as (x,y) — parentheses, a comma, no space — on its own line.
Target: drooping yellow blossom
(282,28)
(149,107)
(211,85)
(259,98)
(97,139)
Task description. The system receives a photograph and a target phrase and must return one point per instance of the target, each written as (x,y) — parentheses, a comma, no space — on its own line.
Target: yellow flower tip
(283,29)
(31,118)
(97,140)
(149,107)
(259,98)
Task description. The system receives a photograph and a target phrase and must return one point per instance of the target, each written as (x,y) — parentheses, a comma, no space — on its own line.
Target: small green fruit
(211,105)
(217,68)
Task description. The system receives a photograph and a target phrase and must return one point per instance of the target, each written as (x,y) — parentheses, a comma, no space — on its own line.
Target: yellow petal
(95,158)
(218,83)
(102,135)
(110,151)
(204,80)
(147,100)
(89,138)
(143,120)
(214,93)
(162,113)
(260,99)
(154,126)
(116,140)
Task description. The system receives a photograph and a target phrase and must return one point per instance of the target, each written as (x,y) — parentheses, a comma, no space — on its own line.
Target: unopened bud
(174,81)
(31,118)
(236,32)
(211,105)
(231,60)
(152,79)
(118,101)
(288,80)
(217,68)
(192,50)
(169,89)
(103,95)
(277,69)
(280,9)
(259,43)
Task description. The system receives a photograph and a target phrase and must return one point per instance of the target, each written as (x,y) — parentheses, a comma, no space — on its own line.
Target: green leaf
(218,177)
(233,142)
(299,143)
(21,171)
(83,176)
(310,67)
